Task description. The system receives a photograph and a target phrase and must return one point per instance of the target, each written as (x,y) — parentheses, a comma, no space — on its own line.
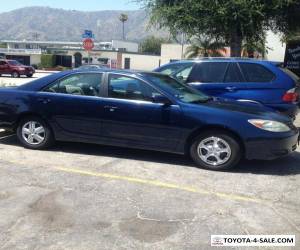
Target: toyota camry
(147,111)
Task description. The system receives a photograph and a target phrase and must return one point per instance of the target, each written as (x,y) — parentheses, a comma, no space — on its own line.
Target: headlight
(272,126)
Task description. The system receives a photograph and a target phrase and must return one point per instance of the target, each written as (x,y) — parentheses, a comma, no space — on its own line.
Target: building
(69,54)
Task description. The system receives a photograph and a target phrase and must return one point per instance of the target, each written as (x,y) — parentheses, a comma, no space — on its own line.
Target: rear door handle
(231,89)
(111,108)
(44,100)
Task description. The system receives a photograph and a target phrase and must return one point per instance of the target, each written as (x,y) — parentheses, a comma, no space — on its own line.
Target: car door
(4,67)
(131,118)
(73,106)
(208,77)
(261,83)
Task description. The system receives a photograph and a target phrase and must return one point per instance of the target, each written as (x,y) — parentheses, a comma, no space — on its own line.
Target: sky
(88,5)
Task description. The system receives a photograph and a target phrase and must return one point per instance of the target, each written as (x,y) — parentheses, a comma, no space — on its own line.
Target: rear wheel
(34,133)
(216,150)
(15,74)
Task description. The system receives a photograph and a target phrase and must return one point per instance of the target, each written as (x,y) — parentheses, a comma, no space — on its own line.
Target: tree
(234,21)
(152,45)
(123,18)
(205,46)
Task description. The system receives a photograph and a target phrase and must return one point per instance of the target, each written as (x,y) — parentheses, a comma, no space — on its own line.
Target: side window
(171,69)
(182,75)
(256,73)
(233,74)
(123,87)
(2,63)
(78,84)
(208,72)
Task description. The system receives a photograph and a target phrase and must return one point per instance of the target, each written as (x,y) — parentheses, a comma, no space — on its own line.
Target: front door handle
(111,108)
(44,100)
(231,89)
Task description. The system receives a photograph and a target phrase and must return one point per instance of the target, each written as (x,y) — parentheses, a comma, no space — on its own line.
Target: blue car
(147,111)
(250,80)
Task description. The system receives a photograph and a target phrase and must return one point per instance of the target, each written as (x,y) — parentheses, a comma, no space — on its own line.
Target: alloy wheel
(214,151)
(33,133)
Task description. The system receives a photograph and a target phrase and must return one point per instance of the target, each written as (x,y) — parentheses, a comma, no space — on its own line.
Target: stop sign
(88,44)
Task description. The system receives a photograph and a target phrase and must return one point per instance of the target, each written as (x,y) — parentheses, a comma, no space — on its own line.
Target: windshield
(178,90)
(15,63)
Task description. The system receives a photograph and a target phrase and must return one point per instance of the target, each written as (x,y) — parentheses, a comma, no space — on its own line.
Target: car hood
(253,110)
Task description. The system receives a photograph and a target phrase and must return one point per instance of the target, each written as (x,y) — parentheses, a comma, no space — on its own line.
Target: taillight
(290,96)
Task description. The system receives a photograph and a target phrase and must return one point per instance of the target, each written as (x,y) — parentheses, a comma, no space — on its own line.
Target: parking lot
(79,196)
(7,80)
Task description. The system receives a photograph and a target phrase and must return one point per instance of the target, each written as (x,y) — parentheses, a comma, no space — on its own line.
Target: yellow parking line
(161,184)
(190,189)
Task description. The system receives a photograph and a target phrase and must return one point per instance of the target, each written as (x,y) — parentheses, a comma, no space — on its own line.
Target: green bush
(47,61)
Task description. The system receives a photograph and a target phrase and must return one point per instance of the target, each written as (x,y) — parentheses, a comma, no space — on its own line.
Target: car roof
(223,59)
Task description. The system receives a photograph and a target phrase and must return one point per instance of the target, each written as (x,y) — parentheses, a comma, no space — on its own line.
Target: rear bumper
(269,149)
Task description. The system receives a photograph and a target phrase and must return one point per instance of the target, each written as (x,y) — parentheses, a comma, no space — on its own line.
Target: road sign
(88,44)
(88,34)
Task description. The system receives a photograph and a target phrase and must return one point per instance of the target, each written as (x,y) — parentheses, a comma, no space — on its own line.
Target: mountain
(68,25)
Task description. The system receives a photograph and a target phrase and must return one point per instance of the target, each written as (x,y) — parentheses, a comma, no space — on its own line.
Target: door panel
(73,105)
(261,83)
(224,80)
(133,119)
(71,114)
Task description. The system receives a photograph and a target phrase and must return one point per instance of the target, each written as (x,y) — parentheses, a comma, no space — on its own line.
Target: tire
(30,75)
(32,139)
(212,144)
(15,74)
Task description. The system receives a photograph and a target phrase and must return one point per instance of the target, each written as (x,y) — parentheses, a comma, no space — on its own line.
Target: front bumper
(269,149)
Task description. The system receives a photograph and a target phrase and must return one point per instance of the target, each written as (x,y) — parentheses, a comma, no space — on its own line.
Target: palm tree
(123,18)
(205,46)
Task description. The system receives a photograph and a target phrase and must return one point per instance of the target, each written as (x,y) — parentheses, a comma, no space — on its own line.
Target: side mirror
(161,99)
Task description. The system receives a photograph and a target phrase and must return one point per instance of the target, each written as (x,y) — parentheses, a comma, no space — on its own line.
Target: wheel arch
(204,129)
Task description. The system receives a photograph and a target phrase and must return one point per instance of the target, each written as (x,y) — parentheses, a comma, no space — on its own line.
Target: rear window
(208,72)
(256,73)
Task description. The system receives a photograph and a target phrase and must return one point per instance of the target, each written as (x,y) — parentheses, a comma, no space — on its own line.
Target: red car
(15,69)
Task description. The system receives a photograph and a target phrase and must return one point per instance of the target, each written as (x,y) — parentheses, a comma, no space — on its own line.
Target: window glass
(171,69)
(233,74)
(208,72)
(256,73)
(122,87)
(15,63)
(2,63)
(78,84)
(183,74)
(177,89)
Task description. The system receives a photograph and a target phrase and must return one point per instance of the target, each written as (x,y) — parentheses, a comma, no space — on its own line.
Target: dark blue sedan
(143,110)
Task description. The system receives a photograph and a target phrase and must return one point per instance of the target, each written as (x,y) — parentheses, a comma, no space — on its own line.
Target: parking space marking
(226,196)
(190,189)
(161,184)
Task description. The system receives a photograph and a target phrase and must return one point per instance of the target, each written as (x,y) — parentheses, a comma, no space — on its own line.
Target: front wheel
(34,133)
(29,75)
(216,151)
(15,74)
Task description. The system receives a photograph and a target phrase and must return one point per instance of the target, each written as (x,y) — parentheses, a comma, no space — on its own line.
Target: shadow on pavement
(289,165)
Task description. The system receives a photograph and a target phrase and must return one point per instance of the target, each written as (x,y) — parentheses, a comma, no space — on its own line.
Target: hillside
(68,25)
